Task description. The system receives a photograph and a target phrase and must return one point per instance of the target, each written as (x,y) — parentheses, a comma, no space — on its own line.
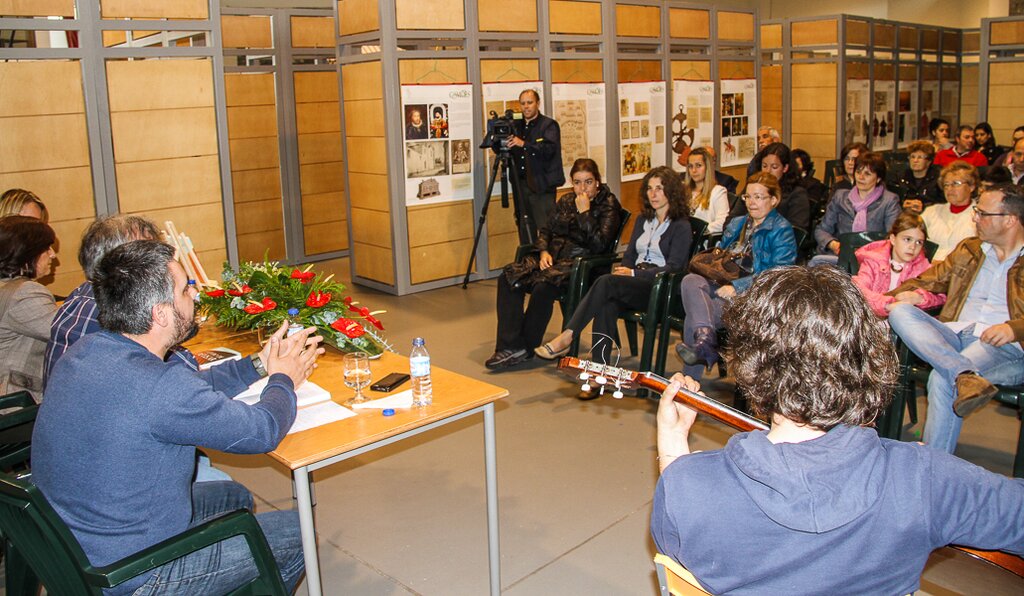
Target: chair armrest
(241,522)
(579,277)
(17,399)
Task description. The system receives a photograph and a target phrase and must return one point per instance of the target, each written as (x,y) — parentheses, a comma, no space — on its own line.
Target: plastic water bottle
(419,370)
(293,327)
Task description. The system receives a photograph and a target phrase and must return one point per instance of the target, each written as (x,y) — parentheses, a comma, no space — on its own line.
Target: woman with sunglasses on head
(660,242)
(867,207)
(586,221)
(950,222)
(885,264)
(762,239)
(26,307)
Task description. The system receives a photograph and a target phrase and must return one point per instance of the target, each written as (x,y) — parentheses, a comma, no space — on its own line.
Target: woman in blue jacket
(660,242)
(764,239)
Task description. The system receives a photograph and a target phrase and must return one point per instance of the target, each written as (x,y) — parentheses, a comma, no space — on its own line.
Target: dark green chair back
(41,548)
(930,248)
(848,245)
(698,227)
(833,169)
(16,430)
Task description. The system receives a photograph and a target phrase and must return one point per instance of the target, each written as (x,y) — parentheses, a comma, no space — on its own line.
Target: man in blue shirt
(977,338)
(114,444)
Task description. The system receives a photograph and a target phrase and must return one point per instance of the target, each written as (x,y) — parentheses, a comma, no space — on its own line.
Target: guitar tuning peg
(617,394)
(584,376)
(601,379)
(585,387)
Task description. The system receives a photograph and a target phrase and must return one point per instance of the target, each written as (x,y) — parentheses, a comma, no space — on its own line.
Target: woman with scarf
(867,207)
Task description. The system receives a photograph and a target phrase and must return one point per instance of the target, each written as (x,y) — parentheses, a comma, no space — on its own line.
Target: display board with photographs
(950,106)
(693,120)
(641,128)
(857,125)
(906,119)
(438,143)
(883,130)
(580,112)
(738,121)
(929,107)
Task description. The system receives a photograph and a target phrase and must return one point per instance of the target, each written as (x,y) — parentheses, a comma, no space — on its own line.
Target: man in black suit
(537,149)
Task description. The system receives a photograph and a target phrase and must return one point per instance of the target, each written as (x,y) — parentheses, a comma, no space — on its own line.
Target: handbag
(717,265)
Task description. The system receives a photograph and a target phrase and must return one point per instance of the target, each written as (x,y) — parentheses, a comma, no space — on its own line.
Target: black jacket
(570,234)
(674,245)
(542,167)
(927,189)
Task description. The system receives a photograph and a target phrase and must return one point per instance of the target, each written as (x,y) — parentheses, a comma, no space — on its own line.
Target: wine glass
(357,375)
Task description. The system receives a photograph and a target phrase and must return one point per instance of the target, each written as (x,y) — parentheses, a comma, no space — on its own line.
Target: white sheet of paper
(402,399)
(318,415)
(308,393)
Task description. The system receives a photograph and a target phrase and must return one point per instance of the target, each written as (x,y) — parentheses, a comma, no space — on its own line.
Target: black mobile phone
(390,382)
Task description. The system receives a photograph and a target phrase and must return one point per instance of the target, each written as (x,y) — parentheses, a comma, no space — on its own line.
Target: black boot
(704,349)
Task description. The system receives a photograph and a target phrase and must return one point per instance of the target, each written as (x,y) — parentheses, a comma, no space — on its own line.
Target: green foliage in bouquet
(263,295)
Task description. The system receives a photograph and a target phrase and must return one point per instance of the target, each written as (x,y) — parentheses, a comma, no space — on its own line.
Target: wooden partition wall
(1001,75)
(383,45)
(809,64)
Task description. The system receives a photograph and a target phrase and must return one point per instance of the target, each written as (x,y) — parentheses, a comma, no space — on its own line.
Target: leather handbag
(717,265)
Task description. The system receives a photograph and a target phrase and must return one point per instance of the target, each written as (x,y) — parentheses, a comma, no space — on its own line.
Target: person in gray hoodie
(818,504)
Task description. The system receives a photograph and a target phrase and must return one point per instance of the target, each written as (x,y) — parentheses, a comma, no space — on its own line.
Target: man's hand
(997,335)
(725,292)
(675,421)
(910,297)
(545,260)
(620,270)
(294,356)
(516,142)
(582,203)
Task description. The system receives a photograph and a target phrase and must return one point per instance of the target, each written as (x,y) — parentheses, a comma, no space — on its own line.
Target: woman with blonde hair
(17,201)
(708,200)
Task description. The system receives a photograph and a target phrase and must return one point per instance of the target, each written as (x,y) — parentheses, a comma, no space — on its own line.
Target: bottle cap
(293,311)
(388,411)
(418,341)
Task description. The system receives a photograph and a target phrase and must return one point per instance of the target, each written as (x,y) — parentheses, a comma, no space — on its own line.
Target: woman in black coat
(660,242)
(585,222)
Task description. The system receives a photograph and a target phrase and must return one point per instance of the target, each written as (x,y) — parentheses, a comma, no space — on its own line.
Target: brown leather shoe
(972,392)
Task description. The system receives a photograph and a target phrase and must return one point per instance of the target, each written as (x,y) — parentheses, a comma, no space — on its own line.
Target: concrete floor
(575,479)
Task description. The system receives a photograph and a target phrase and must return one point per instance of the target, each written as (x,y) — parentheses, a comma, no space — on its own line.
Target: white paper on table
(308,393)
(319,415)
(402,399)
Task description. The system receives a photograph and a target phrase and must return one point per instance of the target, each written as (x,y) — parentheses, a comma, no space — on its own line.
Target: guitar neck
(716,410)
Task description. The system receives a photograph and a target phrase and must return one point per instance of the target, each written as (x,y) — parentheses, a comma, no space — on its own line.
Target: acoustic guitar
(603,376)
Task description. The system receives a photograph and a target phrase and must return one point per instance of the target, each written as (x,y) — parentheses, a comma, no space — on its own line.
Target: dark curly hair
(672,182)
(22,240)
(781,151)
(804,344)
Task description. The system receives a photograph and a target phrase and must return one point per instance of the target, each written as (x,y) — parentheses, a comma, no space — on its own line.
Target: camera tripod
(505,165)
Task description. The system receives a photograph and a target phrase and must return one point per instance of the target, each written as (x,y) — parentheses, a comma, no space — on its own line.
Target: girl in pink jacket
(886,264)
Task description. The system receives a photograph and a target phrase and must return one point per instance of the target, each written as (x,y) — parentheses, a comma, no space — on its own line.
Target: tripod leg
(481,222)
(527,232)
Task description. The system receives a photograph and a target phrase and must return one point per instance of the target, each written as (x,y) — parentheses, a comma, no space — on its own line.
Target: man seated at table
(818,504)
(977,338)
(114,443)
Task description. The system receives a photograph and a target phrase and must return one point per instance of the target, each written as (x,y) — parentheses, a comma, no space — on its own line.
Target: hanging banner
(693,119)
(906,126)
(857,127)
(929,107)
(738,122)
(580,113)
(503,97)
(882,118)
(641,128)
(438,143)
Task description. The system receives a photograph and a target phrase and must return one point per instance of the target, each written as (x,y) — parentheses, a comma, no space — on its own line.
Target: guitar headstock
(602,375)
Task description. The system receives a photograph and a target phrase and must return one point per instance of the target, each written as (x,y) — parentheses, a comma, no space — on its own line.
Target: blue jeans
(949,354)
(224,566)
(703,308)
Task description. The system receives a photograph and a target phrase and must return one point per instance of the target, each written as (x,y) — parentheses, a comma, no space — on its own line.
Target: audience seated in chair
(847,160)
(707,200)
(950,222)
(917,184)
(818,504)
(113,448)
(867,207)
(985,141)
(26,307)
(761,240)
(660,242)
(816,191)
(777,160)
(886,264)
(962,150)
(977,338)
(585,222)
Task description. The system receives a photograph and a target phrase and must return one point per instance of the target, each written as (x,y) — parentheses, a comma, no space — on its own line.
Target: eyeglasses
(980,213)
(759,198)
(954,184)
(587,182)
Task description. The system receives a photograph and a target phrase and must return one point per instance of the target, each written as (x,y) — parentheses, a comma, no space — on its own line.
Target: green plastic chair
(41,548)
(833,169)
(848,245)
(16,430)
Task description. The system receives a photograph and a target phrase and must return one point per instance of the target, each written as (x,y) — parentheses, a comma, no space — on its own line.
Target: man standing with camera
(537,148)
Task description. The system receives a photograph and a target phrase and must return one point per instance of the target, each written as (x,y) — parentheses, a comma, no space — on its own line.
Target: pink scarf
(860,206)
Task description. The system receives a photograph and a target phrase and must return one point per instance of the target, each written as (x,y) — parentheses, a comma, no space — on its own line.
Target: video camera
(499,130)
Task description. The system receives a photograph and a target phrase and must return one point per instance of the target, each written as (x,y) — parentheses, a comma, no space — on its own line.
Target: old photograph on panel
(461,162)
(426,158)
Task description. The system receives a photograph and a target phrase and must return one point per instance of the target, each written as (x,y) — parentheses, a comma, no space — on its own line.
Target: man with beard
(114,443)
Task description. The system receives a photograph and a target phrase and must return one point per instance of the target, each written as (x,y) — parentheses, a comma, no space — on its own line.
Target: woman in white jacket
(708,201)
(950,222)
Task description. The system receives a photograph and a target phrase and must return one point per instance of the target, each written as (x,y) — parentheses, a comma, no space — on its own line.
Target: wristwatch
(257,363)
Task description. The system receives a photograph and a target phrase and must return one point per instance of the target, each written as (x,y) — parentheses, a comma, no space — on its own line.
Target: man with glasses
(962,149)
(977,338)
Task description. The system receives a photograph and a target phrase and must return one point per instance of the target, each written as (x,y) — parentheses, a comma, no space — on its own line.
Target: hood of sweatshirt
(813,486)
